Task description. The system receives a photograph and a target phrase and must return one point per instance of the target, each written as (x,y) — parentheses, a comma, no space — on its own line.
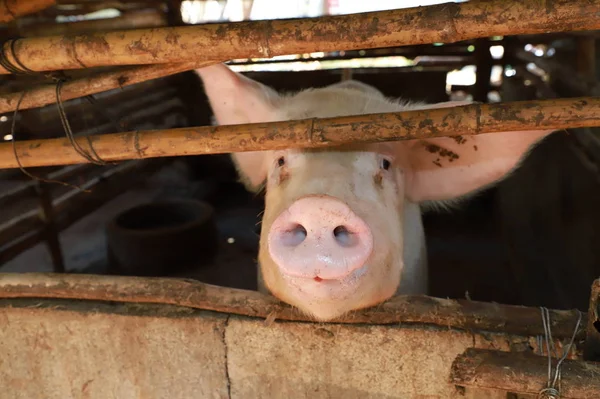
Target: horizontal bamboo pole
(46,94)
(463,314)
(449,22)
(312,133)
(524,373)
(11,9)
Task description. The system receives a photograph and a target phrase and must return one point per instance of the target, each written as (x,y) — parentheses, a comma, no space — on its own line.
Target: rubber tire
(160,238)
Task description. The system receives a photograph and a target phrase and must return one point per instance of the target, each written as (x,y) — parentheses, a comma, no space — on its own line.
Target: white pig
(342,227)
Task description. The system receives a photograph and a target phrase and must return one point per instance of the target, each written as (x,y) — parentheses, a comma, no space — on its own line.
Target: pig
(342,227)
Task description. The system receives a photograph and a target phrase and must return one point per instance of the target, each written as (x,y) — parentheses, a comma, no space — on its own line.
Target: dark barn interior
(532,240)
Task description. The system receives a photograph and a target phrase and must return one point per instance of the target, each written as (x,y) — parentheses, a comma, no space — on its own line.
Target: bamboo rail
(11,9)
(463,314)
(45,95)
(312,133)
(523,373)
(450,22)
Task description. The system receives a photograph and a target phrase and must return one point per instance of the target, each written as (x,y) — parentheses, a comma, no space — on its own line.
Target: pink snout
(319,237)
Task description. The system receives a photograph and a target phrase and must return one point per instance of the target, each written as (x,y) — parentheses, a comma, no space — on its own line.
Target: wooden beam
(447,23)
(591,349)
(524,373)
(50,232)
(460,314)
(312,133)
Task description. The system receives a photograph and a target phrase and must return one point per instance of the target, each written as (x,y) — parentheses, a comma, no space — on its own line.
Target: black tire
(161,238)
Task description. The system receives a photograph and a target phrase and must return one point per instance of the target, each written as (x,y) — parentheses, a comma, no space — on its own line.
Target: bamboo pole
(11,9)
(461,314)
(45,95)
(313,133)
(450,22)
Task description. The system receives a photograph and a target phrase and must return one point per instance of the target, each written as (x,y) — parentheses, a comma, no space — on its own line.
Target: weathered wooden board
(76,350)
(117,348)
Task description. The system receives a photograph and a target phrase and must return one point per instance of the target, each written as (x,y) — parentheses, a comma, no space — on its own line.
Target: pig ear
(235,99)
(446,168)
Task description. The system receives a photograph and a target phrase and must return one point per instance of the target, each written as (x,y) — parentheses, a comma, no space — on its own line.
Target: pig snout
(321,238)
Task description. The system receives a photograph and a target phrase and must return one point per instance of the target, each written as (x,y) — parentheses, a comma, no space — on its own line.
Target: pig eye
(385,164)
(281,161)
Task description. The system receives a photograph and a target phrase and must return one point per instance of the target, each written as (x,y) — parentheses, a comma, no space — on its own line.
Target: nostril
(293,236)
(344,237)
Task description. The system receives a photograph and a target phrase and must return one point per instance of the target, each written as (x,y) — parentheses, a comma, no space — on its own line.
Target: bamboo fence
(450,22)
(312,133)
(45,95)
(11,9)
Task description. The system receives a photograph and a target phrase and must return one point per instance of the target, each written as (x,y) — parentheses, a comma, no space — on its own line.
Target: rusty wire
(552,389)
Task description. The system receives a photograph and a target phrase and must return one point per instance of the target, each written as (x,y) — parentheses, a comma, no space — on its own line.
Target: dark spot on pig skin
(323,333)
(475,148)
(432,148)
(459,139)
(283,176)
(377,179)
(437,163)
(352,187)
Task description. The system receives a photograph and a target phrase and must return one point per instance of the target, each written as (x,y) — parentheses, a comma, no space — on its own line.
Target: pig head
(342,226)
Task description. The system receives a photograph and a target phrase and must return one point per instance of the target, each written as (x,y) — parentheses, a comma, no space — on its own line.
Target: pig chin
(328,299)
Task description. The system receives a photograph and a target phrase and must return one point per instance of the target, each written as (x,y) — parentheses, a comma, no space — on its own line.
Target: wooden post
(50,233)
(591,349)
(586,56)
(447,23)
(484,63)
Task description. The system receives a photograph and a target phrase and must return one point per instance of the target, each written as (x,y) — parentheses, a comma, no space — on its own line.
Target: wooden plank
(463,314)
(63,349)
